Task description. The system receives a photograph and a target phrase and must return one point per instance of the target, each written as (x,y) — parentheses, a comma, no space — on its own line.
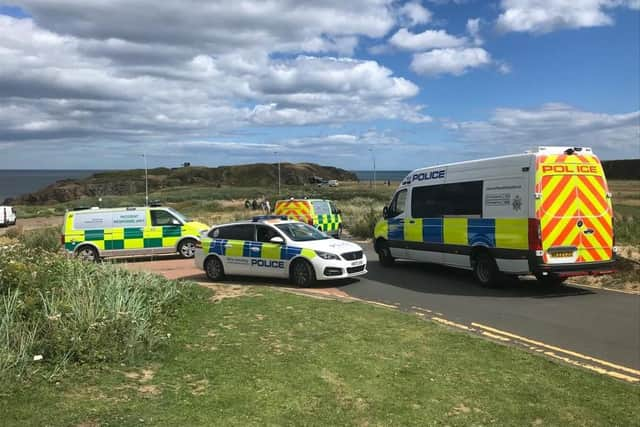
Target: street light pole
(373,156)
(146,181)
(278,160)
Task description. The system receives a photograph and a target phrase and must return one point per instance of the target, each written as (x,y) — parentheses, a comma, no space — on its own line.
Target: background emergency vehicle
(319,213)
(7,216)
(97,233)
(272,246)
(546,212)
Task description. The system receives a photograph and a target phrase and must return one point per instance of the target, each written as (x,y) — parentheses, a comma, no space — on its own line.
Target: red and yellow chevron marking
(573,189)
(294,209)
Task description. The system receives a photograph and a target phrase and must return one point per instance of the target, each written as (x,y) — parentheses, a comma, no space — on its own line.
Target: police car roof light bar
(268,217)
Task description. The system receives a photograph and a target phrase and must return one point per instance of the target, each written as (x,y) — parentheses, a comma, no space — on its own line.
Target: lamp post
(373,157)
(278,160)
(146,180)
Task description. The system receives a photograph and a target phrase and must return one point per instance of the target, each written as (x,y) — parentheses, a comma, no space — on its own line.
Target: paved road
(598,323)
(595,323)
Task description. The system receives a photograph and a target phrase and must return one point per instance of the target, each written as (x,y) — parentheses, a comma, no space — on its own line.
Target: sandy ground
(34,223)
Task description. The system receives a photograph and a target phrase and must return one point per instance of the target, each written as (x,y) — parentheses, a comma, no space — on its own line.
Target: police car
(273,246)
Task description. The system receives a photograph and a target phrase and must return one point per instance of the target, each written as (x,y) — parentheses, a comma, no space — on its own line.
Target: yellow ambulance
(320,213)
(546,212)
(96,233)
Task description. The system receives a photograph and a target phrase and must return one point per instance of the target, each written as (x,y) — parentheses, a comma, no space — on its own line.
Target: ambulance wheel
(384,255)
(187,248)
(550,280)
(302,274)
(214,269)
(87,253)
(485,269)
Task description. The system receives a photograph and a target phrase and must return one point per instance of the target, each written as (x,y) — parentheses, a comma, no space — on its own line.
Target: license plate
(357,263)
(562,254)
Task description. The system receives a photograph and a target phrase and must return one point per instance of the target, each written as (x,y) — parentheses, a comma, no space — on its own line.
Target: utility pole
(146,180)
(373,156)
(278,160)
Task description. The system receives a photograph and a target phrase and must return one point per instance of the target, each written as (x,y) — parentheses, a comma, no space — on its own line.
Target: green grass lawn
(273,358)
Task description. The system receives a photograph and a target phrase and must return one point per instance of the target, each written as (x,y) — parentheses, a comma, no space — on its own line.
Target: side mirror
(277,239)
(175,222)
(385,212)
(339,211)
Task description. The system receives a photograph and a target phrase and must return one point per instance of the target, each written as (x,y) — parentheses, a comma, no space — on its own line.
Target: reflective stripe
(455,231)
(241,248)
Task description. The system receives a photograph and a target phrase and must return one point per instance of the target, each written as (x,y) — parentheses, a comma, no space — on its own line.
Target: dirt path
(25,224)
(184,269)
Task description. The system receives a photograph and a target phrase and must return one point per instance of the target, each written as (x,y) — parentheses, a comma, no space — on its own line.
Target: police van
(320,213)
(546,213)
(274,246)
(96,233)
(7,216)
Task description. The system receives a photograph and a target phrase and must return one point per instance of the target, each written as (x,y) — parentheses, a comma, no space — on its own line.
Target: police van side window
(161,218)
(237,232)
(397,204)
(458,199)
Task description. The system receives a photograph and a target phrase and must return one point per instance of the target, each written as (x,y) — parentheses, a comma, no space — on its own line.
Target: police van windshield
(300,232)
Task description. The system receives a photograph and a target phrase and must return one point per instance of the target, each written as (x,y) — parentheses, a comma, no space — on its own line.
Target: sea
(16,182)
(20,181)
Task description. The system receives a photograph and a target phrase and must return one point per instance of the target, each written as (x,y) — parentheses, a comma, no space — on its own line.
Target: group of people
(260,204)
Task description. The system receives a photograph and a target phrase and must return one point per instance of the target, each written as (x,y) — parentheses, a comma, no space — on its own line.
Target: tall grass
(66,310)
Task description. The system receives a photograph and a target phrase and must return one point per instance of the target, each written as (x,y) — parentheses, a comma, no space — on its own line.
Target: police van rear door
(573,209)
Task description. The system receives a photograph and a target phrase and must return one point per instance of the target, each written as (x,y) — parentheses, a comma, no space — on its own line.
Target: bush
(47,239)
(68,310)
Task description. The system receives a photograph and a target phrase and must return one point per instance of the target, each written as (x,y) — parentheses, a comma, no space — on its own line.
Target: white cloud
(473,28)
(429,39)
(450,61)
(413,13)
(515,130)
(543,16)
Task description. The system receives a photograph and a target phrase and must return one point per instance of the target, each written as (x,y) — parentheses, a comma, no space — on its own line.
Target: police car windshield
(178,215)
(300,232)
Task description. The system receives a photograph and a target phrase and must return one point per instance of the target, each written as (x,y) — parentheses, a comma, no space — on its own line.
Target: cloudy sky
(88,84)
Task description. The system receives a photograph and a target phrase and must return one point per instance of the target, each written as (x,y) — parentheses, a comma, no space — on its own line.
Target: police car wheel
(187,248)
(485,270)
(87,253)
(302,274)
(214,269)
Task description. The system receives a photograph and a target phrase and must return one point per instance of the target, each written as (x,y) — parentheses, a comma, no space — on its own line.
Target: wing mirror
(385,212)
(175,222)
(277,239)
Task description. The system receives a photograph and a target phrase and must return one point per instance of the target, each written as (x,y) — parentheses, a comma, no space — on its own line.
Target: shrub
(47,239)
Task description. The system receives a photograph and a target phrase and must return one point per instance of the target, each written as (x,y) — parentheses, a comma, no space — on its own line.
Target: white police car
(273,246)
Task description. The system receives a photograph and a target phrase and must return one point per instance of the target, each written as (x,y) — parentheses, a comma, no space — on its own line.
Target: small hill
(117,183)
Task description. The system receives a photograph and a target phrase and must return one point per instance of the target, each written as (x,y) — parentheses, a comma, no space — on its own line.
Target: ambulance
(7,216)
(546,213)
(319,213)
(96,233)
(274,246)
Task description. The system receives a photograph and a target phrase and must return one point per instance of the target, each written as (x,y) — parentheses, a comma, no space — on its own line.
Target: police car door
(237,240)
(269,260)
(395,219)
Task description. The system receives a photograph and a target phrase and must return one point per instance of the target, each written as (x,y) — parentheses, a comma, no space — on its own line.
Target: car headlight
(327,255)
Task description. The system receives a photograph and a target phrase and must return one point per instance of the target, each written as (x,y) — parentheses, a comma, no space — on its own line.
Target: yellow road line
(450,323)
(558,349)
(495,337)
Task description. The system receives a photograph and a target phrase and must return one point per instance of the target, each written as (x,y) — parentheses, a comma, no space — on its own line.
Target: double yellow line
(594,364)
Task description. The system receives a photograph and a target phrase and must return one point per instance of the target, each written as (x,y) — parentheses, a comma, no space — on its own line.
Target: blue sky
(86,85)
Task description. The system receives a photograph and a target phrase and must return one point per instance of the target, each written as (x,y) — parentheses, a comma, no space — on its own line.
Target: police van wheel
(87,253)
(214,269)
(302,274)
(187,248)
(485,270)
(384,255)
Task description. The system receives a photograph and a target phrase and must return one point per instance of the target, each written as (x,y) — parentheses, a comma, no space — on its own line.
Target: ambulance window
(265,233)
(161,218)
(238,232)
(321,207)
(397,205)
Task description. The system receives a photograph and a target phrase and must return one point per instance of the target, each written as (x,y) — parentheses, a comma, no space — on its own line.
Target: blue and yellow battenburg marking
(504,233)
(248,249)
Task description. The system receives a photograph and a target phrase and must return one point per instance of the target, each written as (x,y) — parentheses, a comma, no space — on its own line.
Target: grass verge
(272,358)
